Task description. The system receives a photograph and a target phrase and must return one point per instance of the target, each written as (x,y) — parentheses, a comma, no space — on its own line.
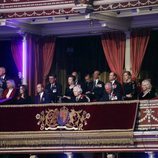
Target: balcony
(126,126)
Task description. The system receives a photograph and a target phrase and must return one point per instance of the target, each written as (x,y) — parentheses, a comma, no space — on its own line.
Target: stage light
(24,59)
(151,155)
(103,25)
(87,16)
(69,154)
(2,22)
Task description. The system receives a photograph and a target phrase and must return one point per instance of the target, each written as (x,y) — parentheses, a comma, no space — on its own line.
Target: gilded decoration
(63,119)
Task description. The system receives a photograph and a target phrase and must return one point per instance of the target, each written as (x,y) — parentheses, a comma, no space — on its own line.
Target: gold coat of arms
(63,119)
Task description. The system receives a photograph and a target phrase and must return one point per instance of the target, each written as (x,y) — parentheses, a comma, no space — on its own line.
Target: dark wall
(6,59)
(83,54)
(149,67)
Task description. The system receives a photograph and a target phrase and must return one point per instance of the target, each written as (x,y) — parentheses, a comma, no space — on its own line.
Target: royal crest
(63,118)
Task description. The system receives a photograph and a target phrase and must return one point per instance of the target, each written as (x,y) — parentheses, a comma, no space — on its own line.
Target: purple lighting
(24,60)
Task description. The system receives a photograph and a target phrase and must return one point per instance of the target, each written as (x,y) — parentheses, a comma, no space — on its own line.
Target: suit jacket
(117,87)
(4,85)
(88,87)
(98,90)
(111,97)
(55,91)
(45,99)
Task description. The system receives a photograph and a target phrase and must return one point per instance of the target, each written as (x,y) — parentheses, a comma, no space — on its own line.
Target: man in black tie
(116,85)
(54,89)
(98,86)
(41,97)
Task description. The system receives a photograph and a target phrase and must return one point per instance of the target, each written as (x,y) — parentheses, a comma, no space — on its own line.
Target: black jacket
(45,99)
(112,97)
(54,92)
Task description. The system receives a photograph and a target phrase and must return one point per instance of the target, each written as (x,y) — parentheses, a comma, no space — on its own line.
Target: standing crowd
(92,89)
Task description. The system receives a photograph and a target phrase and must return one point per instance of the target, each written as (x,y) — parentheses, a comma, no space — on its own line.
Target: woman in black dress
(23,97)
(68,97)
(129,87)
(147,90)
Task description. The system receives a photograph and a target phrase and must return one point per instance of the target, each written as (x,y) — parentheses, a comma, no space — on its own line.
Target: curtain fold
(33,63)
(138,43)
(16,49)
(114,49)
(47,56)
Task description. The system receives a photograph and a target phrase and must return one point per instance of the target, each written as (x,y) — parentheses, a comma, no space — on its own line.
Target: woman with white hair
(79,97)
(147,92)
(10,92)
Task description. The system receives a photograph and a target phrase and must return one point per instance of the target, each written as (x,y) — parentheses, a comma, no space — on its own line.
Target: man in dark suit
(77,78)
(41,97)
(110,94)
(54,89)
(88,86)
(116,85)
(98,86)
(3,77)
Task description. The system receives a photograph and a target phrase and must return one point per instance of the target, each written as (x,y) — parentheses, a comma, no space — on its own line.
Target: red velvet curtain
(16,49)
(138,43)
(114,49)
(47,56)
(33,63)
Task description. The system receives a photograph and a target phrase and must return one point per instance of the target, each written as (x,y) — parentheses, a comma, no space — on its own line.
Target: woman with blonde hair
(146,90)
(129,86)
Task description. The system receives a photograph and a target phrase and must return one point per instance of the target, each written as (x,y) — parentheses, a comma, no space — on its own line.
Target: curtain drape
(138,43)
(114,49)
(16,49)
(47,56)
(33,63)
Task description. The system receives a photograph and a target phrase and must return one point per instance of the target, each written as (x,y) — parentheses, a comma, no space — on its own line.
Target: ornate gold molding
(36,140)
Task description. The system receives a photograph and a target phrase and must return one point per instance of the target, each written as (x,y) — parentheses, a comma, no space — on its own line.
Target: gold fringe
(60,139)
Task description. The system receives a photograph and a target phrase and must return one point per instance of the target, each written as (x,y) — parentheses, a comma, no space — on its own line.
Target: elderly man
(110,94)
(79,97)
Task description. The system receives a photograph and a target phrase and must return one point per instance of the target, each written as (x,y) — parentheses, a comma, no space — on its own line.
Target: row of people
(96,90)
(76,91)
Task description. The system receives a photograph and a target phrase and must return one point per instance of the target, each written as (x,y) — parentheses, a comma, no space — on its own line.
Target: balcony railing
(101,126)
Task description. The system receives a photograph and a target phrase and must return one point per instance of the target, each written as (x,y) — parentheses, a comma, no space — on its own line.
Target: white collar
(41,94)
(113,81)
